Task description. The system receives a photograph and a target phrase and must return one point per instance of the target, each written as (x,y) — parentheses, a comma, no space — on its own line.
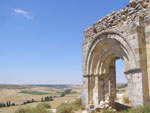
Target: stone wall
(128,14)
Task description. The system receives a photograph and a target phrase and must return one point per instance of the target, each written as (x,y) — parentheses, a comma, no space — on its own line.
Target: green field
(34,92)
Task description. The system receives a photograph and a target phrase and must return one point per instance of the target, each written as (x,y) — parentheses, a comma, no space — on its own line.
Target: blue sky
(41,40)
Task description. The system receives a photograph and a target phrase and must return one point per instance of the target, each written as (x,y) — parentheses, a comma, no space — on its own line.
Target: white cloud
(22,12)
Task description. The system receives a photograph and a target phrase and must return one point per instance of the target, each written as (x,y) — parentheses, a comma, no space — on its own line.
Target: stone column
(112,83)
(85,90)
(91,85)
(135,87)
(147,39)
(96,91)
(101,90)
(143,58)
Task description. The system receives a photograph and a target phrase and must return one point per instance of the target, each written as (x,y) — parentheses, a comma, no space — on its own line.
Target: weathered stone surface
(125,35)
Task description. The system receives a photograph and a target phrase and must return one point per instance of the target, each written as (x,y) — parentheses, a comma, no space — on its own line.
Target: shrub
(70,107)
(63,94)
(8,103)
(42,100)
(64,108)
(126,99)
(24,102)
(47,98)
(68,91)
(33,100)
(108,111)
(2,105)
(51,99)
(13,104)
(23,110)
(28,101)
(46,105)
(77,104)
(139,109)
(40,108)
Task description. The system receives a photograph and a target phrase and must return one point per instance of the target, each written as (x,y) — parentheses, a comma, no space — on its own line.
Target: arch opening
(122,97)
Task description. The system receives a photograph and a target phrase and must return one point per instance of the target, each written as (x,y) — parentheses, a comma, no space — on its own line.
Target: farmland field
(21,94)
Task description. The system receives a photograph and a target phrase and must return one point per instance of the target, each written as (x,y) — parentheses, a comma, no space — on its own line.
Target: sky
(41,40)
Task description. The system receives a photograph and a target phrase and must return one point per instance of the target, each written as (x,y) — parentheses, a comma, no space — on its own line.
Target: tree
(63,94)
(42,100)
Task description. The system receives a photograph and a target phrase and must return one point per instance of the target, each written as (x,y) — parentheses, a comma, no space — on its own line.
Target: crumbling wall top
(134,9)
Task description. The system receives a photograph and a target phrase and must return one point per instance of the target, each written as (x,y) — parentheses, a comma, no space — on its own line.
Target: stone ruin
(125,35)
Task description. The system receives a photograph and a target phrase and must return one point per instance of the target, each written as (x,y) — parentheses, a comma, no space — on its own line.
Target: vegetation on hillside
(47,98)
(70,107)
(67,91)
(74,106)
(8,104)
(139,109)
(40,108)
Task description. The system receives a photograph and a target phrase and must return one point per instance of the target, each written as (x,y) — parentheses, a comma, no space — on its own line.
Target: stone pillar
(135,86)
(96,96)
(101,90)
(143,58)
(85,90)
(112,83)
(91,84)
(147,39)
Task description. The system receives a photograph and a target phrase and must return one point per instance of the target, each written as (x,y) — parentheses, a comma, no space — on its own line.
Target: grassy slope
(19,98)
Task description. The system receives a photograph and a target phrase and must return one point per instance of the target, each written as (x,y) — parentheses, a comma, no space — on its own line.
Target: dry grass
(126,99)
(18,98)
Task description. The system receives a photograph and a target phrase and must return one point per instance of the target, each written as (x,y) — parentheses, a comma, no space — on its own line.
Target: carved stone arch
(100,76)
(106,51)
(104,57)
(100,39)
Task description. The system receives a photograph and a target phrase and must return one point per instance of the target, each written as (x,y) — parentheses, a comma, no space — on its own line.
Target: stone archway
(100,70)
(124,40)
